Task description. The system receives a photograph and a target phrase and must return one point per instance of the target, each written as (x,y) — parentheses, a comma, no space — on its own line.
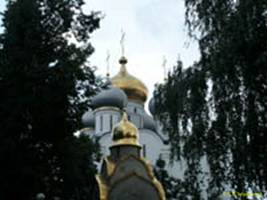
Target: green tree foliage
(174,188)
(183,113)
(216,109)
(45,82)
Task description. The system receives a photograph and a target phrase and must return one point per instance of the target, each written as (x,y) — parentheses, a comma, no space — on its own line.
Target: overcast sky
(154,28)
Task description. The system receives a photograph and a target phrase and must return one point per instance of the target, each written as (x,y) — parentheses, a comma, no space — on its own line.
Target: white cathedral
(127,93)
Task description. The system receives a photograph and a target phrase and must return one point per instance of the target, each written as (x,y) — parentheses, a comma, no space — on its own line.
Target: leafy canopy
(216,109)
(45,83)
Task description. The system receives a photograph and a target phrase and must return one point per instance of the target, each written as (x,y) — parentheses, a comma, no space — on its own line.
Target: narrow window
(110,122)
(144,150)
(101,123)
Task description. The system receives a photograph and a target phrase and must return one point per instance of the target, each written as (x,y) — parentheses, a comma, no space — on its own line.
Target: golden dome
(125,133)
(134,88)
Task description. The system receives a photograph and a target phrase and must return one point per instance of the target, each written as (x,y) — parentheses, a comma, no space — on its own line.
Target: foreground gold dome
(133,87)
(125,133)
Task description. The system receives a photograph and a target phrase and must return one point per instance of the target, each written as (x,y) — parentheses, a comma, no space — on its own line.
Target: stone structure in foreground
(125,174)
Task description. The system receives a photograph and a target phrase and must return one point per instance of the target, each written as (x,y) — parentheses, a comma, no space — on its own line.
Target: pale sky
(154,28)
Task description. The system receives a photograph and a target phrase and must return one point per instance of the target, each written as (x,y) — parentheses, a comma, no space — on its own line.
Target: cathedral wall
(135,112)
(152,145)
(105,119)
(105,142)
(133,107)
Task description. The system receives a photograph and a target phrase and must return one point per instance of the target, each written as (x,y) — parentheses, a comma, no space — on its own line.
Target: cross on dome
(122,42)
(164,63)
(107,60)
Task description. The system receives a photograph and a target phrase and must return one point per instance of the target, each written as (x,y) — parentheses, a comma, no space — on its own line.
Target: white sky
(154,28)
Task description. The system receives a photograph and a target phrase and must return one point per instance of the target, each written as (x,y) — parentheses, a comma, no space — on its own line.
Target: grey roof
(108,83)
(152,106)
(88,119)
(149,123)
(110,97)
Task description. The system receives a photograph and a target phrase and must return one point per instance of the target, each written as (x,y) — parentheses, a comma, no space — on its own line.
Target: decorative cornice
(86,129)
(136,101)
(107,108)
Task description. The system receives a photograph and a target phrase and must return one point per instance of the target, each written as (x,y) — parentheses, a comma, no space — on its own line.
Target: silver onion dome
(152,106)
(88,119)
(113,97)
(149,123)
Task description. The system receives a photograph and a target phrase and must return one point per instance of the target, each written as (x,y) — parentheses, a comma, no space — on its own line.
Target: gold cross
(122,42)
(164,63)
(107,60)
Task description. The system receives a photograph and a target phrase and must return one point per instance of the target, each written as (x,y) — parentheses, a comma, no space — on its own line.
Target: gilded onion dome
(125,133)
(133,87)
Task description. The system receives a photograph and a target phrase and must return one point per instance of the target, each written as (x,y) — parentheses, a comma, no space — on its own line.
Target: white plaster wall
(134,107)
(135,112)
(155,148)
(105,142)
(106,123)
(136,120)
(154,145)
